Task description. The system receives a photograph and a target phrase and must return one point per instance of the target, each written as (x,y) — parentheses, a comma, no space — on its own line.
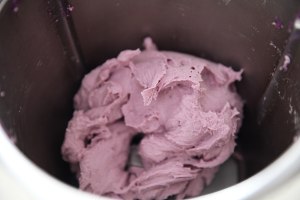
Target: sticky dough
(186,108)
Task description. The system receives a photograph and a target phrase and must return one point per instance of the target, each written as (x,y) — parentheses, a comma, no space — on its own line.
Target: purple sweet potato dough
(186,107)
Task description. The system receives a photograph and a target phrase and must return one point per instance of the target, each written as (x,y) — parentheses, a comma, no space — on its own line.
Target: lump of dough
(186,108)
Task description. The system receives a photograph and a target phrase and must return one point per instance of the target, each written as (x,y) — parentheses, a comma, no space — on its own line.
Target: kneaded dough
(186,108)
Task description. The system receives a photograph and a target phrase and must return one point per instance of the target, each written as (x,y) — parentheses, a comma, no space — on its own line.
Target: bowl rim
(2,4)
(40,185)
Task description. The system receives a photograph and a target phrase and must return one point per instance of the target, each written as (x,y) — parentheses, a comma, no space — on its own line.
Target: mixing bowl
(47,46)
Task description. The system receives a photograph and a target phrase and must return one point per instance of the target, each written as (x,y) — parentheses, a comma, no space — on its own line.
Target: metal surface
(39,74)
(44,46)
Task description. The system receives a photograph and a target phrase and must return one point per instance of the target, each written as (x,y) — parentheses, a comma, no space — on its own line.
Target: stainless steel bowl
(47,46)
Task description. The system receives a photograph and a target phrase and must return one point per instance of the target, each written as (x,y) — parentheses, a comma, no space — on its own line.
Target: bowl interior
(47,46)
